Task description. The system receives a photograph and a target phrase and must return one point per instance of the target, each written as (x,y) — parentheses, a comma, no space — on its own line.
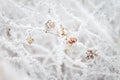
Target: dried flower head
(30,40)
(50,24)
(91,54)
(72,40)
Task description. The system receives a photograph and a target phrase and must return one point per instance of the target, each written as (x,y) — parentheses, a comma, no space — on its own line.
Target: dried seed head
(72,40)
(91,54)
(30,40)
(50,24)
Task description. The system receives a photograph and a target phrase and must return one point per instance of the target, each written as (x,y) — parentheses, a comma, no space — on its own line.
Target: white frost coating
(30,50)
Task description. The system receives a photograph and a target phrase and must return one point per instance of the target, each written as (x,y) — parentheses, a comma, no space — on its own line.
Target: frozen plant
(59,39)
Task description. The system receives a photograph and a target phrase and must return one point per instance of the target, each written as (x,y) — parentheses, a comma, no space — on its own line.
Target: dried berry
(72,40)
(30,40)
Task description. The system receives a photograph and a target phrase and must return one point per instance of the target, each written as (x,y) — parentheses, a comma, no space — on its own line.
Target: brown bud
(30,40)
(63,32)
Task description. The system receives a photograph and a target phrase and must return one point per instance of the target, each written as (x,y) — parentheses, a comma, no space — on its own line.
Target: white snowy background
(29,50)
